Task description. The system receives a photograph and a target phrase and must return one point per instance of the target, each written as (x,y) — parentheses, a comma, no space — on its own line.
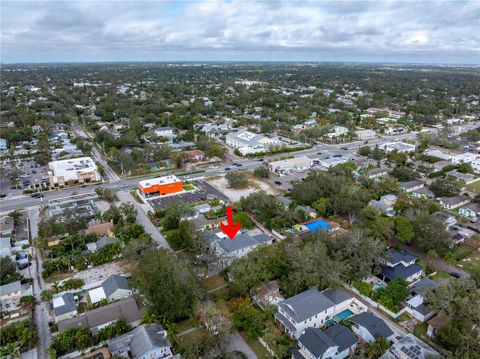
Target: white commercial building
(247,142)
(439,154)
(397,146)
(74,170)
(166,132)
(365,134)
(337,131)
(297,164)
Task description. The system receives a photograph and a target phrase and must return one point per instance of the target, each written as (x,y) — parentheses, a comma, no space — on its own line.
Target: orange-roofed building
(161,186)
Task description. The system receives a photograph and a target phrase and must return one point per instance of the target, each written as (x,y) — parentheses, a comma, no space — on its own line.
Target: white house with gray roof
(64,307)
(368,326)
(311,309)
(335,342)
(228,249)
(115,287)
(146,341)
(247,142)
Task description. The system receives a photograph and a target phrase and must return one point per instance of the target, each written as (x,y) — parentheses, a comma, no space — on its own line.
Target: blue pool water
(318,224)
(347,313)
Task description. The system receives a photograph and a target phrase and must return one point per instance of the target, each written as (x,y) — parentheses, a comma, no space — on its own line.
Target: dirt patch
(235,194)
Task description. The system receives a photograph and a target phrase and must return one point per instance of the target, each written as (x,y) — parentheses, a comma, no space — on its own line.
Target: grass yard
(420,329)
(440,275)
(474,187)
(471,264)
(214,282)
(188,187)
(257,347)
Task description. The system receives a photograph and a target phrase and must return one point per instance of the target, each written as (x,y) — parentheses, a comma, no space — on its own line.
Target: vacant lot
(474,187)
(471,263)
(235,194)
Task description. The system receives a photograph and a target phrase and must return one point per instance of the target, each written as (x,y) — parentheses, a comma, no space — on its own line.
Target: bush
(244,220)
(363,287)
(21,334)
(237,179)
(261,172)
(249,320)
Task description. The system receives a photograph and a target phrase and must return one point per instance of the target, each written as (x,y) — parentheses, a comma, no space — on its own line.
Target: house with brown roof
(102,229)
(194,155)
(268,294)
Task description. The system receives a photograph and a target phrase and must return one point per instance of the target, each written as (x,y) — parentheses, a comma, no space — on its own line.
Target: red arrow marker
(231,229)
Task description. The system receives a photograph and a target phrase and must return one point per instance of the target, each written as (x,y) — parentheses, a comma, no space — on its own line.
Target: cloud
(241,30)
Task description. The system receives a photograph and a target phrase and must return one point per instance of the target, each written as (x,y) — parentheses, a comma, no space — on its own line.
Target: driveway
(143,219)
(236,343)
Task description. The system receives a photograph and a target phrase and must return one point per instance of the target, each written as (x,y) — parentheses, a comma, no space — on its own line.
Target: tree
(16,215)
(8,271)
(168,287)
(430,233)
(174,212)
(237,179)
(403,229)
(359,253)
(364,151)
(376,349)
(249,320)
(261,172)
(404,173)
(445,187)
(135,248)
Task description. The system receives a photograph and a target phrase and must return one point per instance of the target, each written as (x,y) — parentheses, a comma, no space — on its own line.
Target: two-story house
(400,265)
(311,308)
(368,327)
(335,342)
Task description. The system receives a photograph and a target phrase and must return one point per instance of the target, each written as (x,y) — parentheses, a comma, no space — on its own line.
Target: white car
(221,171)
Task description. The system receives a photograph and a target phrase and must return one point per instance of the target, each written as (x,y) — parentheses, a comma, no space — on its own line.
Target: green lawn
(440,275)
(188,187)
(214,282)
(474,187)
(420,329)
(471,263)
(257,347)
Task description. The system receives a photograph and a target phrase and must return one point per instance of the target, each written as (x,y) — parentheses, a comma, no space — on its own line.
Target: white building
(439,154)
(476,164)
(368,327)
(337,131)
(3,144)
(467,157)
(333,161)
(365,134)
(312,309)
(247,142)
(297,164)
(397,146)
(113,288)
(74,170)
(166,132)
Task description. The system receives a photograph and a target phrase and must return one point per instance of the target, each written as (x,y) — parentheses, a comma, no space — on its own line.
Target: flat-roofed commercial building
(160,186)
(74,170)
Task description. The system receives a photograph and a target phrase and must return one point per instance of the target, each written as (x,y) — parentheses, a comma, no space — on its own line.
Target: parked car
(24,265)
(278,182)
(455,274)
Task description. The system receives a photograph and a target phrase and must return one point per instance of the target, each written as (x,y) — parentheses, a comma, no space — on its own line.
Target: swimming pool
(318,224)
(347,313)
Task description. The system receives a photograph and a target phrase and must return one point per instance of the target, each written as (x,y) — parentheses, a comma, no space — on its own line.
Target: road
(41,316)
(143,219)
(112,176)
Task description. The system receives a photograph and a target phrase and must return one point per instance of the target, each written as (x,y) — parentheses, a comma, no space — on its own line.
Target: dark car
(345,148)
(24,265)
(239,165)
(455,274)
(337,156)
(278,182)
(227,168)
(319,153)
(260,160)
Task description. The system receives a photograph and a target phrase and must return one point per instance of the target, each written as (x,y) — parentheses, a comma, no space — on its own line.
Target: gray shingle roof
(336,295)
(423,285)
(241,241)
(10,288)
(342,336)
(113,283)
(68,307)
(373,324)
(394,256)
(306,304)
(400,271)
(139,341)
(102,242)
(316,341)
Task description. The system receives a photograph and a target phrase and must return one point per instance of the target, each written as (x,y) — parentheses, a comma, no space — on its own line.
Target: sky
(345,31)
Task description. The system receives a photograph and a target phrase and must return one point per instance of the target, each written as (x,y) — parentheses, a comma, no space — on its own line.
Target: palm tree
(11,350)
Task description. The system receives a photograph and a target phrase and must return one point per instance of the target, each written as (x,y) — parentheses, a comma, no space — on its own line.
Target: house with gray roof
(368,326)
(410,347)
(411,186)
(102,317)
(101,243)
(311,308)
(113,288)
(453,202)
(336,342)
(145,341)
(415,303)
(228,249)
(400,265)
(10,295)
(470,210)
(64,307)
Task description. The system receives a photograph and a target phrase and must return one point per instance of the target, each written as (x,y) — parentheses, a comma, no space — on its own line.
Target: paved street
(143,219)
(236,343)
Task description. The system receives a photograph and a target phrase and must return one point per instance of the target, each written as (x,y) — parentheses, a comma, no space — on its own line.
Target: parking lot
(28,172)
(205,191)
